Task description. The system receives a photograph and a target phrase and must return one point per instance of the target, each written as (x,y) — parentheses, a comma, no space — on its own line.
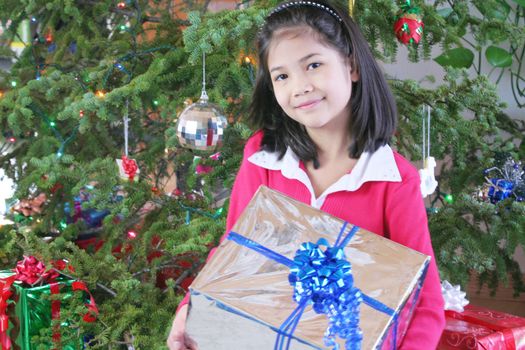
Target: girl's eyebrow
(305,58)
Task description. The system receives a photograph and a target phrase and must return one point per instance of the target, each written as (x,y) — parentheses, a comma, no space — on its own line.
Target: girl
(325,116)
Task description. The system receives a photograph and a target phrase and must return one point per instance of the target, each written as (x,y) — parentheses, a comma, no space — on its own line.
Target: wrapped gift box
(241,298)
(480,328)
(31,309)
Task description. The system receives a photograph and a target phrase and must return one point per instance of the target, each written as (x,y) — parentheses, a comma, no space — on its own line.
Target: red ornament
(121,5)
(12,139)
(409,28)
(81,113)
(130,167)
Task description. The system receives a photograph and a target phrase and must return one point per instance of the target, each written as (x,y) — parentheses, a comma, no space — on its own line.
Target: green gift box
(28,310)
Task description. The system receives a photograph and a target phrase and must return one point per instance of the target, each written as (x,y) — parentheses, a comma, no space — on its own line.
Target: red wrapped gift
(482,329)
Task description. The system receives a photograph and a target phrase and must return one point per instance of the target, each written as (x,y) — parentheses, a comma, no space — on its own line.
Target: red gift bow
(130,167)
(31,270)
(504,330)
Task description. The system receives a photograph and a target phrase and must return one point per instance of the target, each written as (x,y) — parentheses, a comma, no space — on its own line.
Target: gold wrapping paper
(241,298)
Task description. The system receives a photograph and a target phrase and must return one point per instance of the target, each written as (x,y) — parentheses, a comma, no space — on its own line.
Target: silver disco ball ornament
(201,126)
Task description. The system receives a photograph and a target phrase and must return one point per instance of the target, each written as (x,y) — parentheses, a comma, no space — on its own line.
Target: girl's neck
(331,145)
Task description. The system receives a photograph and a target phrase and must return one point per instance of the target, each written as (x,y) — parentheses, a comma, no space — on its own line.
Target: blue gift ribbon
(323,278)
(500,189)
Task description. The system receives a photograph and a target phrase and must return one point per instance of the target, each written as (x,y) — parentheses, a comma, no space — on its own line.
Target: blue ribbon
(500,189)
(322,277)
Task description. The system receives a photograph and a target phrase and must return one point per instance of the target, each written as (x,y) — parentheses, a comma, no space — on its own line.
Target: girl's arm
(407,223)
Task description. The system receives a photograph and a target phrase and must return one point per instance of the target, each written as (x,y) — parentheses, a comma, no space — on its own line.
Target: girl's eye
(280,77)
(314,65)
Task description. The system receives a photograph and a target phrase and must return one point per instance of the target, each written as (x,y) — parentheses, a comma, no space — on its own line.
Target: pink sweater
(391,209)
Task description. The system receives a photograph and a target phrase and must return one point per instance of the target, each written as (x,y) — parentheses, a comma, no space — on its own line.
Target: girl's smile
(309,104)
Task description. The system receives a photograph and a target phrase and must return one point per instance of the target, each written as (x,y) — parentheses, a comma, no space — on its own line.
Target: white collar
(377,166)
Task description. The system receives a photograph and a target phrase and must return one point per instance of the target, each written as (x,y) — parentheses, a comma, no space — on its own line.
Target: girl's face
(312,81)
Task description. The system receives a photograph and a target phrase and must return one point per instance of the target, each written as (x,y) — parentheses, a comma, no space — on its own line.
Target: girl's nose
(302,86)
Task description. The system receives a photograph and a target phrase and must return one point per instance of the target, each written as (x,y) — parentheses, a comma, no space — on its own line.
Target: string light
(59,154)
(155,102)
(100,94)
(81,113)
(53,124)
(12,139)
(49,38)
(33,19)
(1,94)
(123,27)
(449,198)
(247,60)
(132,234)
(121,5)
(13,83)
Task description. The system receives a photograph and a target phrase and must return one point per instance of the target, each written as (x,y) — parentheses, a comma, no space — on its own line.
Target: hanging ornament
(508,183)
(428,179)
(128,167)
(408,26)
(201,125)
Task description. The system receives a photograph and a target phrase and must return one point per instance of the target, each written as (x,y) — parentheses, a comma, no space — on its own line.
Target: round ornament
(408,26)
(201,126)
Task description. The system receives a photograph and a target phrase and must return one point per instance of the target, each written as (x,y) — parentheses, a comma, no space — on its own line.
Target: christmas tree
(105,81)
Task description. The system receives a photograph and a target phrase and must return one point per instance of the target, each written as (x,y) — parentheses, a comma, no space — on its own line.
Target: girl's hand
(178,339)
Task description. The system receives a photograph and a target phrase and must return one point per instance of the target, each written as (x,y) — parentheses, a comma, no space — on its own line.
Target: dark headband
(305,3)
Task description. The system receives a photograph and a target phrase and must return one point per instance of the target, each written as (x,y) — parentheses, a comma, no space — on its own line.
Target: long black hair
(373,117)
